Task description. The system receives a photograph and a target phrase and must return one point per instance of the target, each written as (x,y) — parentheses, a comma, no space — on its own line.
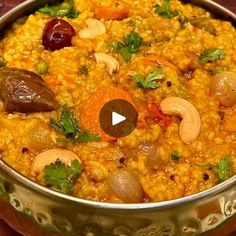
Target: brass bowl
(35,210)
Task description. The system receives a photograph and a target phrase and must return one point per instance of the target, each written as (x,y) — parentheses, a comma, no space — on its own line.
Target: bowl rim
(117,206)
(10,171)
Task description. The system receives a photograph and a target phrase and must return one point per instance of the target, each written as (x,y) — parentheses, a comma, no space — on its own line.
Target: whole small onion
(223,86)
(151,150)
(125,185)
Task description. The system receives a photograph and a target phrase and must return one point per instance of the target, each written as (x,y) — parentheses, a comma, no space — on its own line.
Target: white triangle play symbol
(117,118)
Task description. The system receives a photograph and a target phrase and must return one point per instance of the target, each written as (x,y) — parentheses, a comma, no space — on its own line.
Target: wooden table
(6,5)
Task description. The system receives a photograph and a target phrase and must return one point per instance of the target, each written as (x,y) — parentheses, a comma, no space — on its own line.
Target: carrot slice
(154,60)
(117,12)
(90,110)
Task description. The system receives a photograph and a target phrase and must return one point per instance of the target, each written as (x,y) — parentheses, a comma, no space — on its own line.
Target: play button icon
(118,118)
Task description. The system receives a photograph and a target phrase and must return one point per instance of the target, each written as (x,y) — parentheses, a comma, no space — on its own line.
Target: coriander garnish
(212,54)
(66,9)
(130,46)
(223,168)
(165,10)
(68,126)
(151,81)
(175,155)
(62,177)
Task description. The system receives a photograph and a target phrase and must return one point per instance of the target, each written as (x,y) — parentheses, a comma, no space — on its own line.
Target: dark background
(6,5)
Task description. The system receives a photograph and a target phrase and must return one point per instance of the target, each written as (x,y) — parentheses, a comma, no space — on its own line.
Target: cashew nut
(51,156)
(111,63)
(191,123)
(94,29)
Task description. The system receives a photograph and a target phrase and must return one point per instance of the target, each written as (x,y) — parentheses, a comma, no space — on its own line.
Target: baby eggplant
(25,91)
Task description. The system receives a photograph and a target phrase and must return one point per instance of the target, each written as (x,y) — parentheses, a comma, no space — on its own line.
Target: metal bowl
(35,210)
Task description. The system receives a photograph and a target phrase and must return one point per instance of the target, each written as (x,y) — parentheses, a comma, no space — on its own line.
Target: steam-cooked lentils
(176,65)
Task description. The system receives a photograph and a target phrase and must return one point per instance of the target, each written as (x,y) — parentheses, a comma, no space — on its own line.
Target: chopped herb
(126,54)
(130,46)
(62,177)
(223,168)
(116,46)
(165,11)
(68,126)
(212,54)
(175,155)
(218,69)
(84,70)
(85,136)
(150,82)
(67,9)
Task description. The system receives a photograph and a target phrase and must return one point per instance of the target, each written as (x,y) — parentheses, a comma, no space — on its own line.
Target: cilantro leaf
(68,126)
(165,11)
(67,123)
(126,53)
(132,43)
(62,177)
(116,46)
(150,82)
(65,10)
(223,168)
(85,136)
(175,155)
(212,54)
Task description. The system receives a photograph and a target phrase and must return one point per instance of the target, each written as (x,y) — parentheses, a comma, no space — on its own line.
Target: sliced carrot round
(118,12)
(90,110)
